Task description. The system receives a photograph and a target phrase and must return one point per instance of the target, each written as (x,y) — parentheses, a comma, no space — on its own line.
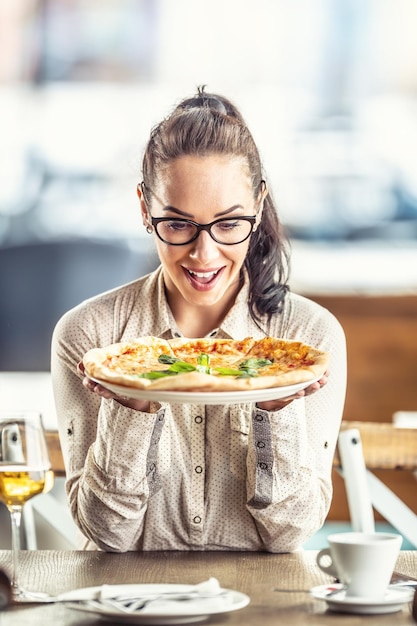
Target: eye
(228,225)
(178,226)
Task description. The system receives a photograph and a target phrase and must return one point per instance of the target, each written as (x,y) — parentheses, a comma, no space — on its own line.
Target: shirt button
(198,419)
(197,519)
(260,444)
(263,466)
(259,417)
(198,469)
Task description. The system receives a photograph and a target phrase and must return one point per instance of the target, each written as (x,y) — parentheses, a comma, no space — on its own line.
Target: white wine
(25,472)
(16,487)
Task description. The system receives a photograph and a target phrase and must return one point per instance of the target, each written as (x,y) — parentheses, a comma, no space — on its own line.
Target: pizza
(205,364)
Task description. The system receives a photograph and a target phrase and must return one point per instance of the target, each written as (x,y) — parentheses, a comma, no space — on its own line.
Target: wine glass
(25,471)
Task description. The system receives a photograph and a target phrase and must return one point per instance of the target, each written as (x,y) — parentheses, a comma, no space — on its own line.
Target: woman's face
(203,189)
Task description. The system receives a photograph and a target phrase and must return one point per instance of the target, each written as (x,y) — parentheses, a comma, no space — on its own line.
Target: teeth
(204,274)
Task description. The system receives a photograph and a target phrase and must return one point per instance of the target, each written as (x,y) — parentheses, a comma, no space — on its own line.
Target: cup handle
(323,556)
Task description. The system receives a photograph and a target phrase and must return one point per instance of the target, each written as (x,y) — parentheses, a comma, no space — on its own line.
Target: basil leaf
(245,373)
(156,374)
(203,361)
(253,363)
(248,372)
(181,366)
(227,371)
(247,369)
(167,358)
(176,367)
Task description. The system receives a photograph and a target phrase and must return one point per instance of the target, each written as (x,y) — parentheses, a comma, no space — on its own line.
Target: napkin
(207,595)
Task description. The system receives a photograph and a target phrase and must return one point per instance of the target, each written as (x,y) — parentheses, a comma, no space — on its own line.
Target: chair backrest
(353,469)
(39,281)
(384,447)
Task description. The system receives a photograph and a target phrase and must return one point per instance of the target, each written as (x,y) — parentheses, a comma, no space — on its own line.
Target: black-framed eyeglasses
(227,231)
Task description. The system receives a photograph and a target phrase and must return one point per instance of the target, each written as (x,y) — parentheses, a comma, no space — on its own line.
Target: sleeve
(119,476)
(290,453)
(109,450)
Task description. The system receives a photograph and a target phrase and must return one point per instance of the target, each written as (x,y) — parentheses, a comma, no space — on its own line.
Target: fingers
(308,391)
(276,405)
(91,385)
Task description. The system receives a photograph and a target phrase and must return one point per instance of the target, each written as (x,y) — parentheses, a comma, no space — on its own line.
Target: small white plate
(393,601)
(167,612)
(207,397)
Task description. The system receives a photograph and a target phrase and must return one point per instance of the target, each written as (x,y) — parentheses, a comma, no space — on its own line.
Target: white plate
(166,612)
(393,601)
(207,397)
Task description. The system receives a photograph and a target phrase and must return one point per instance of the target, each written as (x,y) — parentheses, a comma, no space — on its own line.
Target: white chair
(365,491)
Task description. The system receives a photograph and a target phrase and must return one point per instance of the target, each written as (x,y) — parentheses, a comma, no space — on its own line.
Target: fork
(131,605)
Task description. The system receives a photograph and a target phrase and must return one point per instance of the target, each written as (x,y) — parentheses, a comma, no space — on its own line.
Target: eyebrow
(219,214)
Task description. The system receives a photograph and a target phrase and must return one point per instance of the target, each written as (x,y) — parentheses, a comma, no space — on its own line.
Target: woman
(148,476)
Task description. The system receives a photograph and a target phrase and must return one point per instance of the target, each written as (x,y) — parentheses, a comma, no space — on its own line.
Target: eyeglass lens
(227,231)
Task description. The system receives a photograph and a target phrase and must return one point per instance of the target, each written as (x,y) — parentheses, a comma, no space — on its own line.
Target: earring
(149,230)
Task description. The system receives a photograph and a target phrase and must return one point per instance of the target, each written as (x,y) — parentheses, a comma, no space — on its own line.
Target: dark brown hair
(209,124)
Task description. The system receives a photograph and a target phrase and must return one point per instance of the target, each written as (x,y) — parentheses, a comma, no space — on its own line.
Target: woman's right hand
(131,403)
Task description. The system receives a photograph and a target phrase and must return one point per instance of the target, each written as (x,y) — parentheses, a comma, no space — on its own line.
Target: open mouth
(203,279)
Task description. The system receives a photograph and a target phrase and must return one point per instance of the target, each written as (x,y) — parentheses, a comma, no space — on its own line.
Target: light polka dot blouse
(194,477)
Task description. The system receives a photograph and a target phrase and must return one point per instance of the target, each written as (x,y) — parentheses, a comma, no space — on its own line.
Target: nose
(204,248)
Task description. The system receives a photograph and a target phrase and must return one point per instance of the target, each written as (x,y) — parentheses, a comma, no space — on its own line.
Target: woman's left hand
(276,405)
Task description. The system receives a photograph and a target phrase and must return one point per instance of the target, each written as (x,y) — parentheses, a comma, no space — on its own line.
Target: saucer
(392,602)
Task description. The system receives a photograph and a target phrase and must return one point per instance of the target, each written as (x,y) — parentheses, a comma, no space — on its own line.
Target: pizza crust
(139,355)
(121,363)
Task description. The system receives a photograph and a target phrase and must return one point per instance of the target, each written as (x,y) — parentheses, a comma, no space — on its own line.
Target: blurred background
(328,88)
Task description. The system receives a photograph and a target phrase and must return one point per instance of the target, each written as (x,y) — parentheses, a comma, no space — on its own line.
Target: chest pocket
(240,424)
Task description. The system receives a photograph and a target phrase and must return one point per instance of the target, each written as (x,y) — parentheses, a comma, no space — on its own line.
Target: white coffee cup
(364,562)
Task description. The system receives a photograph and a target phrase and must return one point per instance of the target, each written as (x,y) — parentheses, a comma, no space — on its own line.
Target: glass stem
(16,517)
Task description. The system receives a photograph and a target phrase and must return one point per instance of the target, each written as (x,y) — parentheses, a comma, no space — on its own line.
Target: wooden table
(263,576)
